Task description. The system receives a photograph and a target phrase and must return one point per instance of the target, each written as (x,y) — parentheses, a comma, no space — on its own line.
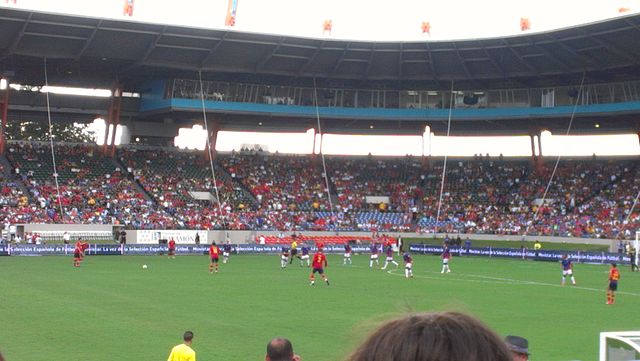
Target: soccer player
(567,270)
(408,265)
(78,252)
(374,255)
(214,253)
(172,249)
(347,254)
(305,255)
(614,276)
(319,263)
(446,256)
(226,251)
(284,257)
(183,351)
(389,259)
(294,250)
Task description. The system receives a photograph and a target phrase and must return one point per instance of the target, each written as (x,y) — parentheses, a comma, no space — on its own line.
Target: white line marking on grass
(510,281)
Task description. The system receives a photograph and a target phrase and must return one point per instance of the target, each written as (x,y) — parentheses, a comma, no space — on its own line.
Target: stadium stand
(588,198)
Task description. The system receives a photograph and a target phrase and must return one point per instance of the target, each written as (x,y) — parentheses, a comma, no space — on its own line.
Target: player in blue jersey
(374,254)
(567,270)
(284,257)
(446,256)
(408,265)
(389,259)
(347,254)
(226,251)
(304,250)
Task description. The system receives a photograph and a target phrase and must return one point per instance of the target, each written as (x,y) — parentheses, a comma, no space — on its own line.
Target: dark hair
(438,336)
(280,349)
(188,336)
(614,265)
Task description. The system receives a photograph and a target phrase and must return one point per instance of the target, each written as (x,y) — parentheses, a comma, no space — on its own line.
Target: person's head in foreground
(519,347)
(188,338)
(436,336)
(280,349)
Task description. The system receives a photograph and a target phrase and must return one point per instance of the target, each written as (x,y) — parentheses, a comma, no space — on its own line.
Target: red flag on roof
(426,27)
(232,8)
(327,26)
(128,8)
(525,24)
(623,10)
(12,1)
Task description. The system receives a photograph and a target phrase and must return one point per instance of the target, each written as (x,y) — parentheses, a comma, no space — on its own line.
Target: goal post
(636,249)
(620,346)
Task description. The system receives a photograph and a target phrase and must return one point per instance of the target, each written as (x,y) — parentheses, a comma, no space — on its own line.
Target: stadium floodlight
(620,346)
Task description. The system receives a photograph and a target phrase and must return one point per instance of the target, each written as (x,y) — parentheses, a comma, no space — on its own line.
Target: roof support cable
(324,163)
(206,128)
(444,166)
(626,220)
(53,153)
(555,167)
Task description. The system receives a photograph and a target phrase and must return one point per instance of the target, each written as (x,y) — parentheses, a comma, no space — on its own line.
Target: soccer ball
(144,266)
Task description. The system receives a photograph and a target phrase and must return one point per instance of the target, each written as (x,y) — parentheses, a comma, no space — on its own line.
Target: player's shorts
(347,255)
(77,255)
(284,258)
(408,265)
(389,259)
(225,254)
(215,259)
(445,261)
(294,252)
(172,251)
(318,270)
(374,256)
(567,272)
(304,256)
(613,285)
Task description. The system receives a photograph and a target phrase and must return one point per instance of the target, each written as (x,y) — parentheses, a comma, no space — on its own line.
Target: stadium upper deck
(386,82)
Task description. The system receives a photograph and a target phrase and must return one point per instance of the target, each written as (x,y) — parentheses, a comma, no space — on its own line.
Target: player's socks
(370,264)
(396,263)
(327,282)
(573,281)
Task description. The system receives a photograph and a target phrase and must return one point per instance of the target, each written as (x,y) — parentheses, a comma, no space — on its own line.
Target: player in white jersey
(347,254)
(374,255)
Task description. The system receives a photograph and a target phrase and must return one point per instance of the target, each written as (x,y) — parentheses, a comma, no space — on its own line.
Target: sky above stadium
(355,19)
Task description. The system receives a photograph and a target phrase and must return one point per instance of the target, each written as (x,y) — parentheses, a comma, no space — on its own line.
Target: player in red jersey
(614,276)
(318,264)
(78,252)
(172,249)
(214,253)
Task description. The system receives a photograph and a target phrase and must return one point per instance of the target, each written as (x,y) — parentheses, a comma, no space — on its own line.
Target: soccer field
(112,309)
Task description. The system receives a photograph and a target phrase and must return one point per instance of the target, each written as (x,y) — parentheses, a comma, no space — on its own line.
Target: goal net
(620,346)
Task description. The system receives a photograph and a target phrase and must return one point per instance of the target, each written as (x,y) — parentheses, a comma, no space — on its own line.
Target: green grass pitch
(112,309)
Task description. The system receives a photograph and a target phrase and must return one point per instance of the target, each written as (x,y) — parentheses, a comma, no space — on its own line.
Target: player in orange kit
(214,253)
(318,264)
(78,252)
(614,276)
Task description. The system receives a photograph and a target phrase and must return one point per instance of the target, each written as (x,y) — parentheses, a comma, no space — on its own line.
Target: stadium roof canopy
(85,50)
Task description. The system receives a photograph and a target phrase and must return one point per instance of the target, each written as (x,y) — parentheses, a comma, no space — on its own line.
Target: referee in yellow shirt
(183,351)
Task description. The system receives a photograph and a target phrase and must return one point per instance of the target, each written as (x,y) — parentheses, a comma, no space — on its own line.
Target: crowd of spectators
(154,189)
